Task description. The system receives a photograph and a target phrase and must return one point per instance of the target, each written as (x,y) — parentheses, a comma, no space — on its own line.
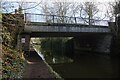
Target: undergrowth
(12,63)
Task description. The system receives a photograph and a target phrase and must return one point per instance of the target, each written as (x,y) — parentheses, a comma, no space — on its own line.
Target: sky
(37,1)
(66,0)
(34,10)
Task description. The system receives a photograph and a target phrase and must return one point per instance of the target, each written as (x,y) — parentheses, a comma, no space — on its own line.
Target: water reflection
(54,50)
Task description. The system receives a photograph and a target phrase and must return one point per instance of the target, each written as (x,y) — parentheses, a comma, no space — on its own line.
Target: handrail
(64,16)
(32,17)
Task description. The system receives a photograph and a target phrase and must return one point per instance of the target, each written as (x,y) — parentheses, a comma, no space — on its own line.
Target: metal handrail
(32,17)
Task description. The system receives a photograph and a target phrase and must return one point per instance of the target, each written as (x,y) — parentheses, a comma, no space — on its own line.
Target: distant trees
(117,8)
(87,11)
(56,8)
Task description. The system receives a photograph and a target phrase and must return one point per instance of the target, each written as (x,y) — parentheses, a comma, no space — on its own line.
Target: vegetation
(117,8)
(12,63)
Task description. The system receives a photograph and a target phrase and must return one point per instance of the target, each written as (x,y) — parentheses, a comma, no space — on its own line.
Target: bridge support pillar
(25,43)
(115,29)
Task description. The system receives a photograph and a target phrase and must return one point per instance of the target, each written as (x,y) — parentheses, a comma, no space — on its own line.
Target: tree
(57,8)
(88,12)
(117,8)
(113,11)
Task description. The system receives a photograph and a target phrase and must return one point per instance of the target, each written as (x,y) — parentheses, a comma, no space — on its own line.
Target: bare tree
(88,11)
(57,8)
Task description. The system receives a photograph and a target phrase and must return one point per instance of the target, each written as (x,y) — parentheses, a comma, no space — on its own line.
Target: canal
(60,54)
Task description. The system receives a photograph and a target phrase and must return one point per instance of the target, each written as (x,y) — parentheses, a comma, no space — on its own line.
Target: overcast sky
(65,0)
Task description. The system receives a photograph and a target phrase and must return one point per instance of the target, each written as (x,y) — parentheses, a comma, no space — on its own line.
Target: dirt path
(36,68)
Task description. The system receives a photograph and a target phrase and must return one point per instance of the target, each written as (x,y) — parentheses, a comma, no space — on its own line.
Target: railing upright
(53,18)
(75,20)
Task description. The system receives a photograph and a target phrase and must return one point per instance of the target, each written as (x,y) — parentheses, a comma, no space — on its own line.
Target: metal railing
(31,17)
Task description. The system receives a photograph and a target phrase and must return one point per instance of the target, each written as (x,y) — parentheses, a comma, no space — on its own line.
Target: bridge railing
(31,17)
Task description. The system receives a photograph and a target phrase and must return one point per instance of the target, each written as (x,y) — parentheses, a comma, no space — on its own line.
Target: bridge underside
(62,34)
(99,42)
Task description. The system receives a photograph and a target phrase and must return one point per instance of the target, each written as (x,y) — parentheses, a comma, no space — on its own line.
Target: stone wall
(93,42)
(104,43)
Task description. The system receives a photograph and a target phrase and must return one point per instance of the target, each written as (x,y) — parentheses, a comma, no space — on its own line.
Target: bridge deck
(42,27)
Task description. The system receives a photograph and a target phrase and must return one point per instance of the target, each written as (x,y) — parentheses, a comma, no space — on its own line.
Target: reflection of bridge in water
(39,25)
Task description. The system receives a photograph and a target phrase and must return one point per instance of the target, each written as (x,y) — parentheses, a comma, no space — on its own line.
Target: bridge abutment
(115,29)
(104,43)
(24,43)
(27,42)
(93,42)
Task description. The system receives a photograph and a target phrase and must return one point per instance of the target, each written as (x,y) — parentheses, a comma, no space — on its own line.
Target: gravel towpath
(36,68)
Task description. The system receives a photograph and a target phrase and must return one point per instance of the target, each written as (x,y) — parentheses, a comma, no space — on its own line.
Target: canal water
(70,63)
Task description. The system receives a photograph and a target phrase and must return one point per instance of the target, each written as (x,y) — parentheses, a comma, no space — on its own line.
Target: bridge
(41,25)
